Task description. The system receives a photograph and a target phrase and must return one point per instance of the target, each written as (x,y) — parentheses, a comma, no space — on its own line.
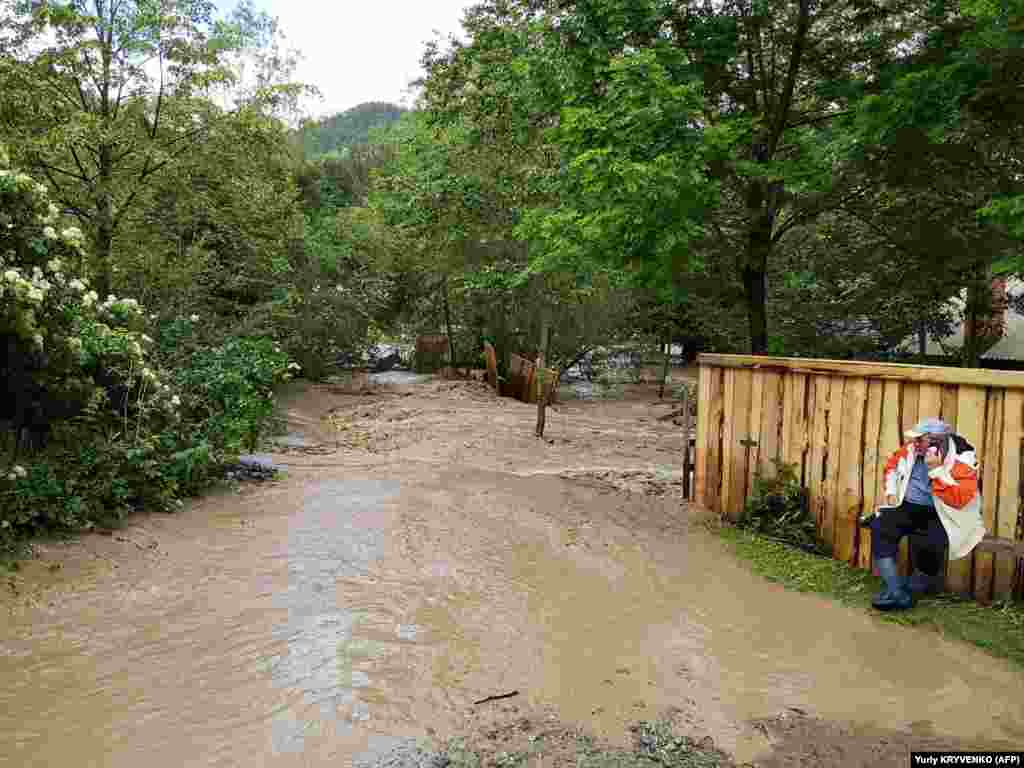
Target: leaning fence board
(991,476)
(849,478)
(1009,504)
(872,492)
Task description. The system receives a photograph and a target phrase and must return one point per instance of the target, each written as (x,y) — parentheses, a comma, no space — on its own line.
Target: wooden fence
(838,422)
(523,383)
(432,353)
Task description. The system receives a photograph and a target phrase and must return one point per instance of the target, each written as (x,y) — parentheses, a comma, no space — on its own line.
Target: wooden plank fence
(838,422)
(523,384)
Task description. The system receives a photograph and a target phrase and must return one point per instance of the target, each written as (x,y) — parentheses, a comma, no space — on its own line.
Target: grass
(653,743)
(998,629)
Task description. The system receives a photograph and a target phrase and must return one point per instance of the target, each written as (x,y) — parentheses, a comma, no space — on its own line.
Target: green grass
(998,629)
(654,744)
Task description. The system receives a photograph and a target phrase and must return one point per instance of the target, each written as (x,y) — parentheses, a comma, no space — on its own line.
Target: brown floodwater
(377,591)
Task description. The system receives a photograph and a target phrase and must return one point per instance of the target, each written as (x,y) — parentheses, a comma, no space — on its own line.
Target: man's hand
(890,500)
(932,458)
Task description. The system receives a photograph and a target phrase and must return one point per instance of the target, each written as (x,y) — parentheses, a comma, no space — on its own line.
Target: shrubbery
(109,427)
(778,508)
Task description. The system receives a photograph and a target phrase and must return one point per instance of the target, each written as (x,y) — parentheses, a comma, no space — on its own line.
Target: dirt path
(425,551)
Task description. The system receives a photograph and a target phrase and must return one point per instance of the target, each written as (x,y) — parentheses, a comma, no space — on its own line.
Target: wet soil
(424,551)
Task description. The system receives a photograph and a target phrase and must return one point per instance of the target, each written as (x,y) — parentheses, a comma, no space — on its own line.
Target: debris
(508,695)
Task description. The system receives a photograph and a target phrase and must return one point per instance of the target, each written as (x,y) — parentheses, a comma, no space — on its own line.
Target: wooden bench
(996,545)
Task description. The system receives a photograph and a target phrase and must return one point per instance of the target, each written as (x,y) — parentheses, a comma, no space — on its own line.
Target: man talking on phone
(931,493)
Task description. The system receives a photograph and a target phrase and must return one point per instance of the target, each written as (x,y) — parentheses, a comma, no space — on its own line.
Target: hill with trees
(331,135)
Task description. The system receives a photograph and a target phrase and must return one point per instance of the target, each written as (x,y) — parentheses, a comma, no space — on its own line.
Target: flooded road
(425,551)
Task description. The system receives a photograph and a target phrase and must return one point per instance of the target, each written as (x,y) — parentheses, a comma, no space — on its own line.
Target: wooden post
(542,400)
(686,443)
(664,371)
(492,365)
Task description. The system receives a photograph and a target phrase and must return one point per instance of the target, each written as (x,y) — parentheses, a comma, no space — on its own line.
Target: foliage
(778,508)
(334,136)
(230,391)
(118,429)
(653,742)
(120,105)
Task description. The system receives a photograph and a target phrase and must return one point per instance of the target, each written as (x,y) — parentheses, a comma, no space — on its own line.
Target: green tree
(117,99)
(686,133)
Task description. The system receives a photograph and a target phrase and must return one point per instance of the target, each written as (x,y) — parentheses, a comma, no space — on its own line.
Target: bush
(778,507)
(230,391)
(112,431)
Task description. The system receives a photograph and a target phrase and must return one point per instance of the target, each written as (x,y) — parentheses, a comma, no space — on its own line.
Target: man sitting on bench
(931,492)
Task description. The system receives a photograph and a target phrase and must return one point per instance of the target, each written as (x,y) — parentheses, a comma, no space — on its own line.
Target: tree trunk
(542,399)
(922,342)
(754,268)
(104,237)
(755,291)
(664,371)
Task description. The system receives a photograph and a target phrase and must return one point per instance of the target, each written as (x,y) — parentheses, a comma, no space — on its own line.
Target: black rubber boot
(921,583)
(894,596)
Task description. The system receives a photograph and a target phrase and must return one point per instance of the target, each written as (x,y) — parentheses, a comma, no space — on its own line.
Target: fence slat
(816,453)
(716,414)
(729,441)
(929,401)
(969,422)
(704,374)
(991,476)
(950,393)
(793,420)
(908,418)
(741,415)
(871,493)
(850,478)
(756,405)
(770,422)
(833,454)
(889,437)
(1006,515)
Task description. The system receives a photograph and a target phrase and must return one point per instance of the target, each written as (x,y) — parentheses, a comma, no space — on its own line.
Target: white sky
(361,50)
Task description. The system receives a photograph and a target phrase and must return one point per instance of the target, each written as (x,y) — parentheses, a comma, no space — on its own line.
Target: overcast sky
(361,50)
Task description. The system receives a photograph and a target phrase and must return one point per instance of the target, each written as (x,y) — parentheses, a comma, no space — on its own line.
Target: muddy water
(373,596)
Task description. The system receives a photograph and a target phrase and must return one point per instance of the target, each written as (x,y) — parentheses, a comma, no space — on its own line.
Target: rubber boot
(921,583)
(894,596)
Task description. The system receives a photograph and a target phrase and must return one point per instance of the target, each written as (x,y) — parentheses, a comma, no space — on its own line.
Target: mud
(424,551)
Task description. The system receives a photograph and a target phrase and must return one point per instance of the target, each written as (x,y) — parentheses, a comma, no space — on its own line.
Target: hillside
(353,126)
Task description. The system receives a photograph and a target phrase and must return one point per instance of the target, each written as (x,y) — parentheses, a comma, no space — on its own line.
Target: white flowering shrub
(74,363)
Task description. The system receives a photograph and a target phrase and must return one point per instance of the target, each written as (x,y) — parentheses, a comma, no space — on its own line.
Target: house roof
(1009,347)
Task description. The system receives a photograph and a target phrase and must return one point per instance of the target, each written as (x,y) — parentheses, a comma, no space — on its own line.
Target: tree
(686,132)
(117,99)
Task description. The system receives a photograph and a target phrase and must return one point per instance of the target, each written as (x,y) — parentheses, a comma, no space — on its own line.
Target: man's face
(924,442)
